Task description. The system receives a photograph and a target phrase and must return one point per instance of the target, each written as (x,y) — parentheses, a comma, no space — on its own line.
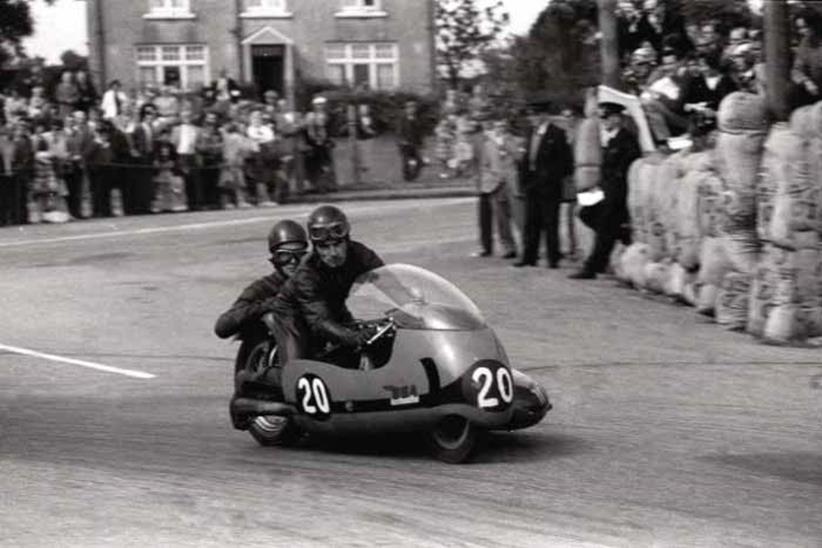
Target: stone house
(274,44)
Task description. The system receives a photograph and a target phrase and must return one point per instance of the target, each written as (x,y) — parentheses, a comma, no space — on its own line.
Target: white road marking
(382,207)
(82,363)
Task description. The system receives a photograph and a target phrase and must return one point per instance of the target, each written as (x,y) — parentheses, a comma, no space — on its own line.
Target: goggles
(333,231)
(282,257)
(330,242)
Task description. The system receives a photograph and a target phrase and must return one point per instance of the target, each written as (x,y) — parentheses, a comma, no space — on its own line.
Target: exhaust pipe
(249,407)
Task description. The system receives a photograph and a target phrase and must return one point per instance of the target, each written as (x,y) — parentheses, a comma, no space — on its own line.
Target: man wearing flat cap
(546,161)
(609,218)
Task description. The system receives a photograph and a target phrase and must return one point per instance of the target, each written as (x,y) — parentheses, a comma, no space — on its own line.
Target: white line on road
(81,363)
(204,225)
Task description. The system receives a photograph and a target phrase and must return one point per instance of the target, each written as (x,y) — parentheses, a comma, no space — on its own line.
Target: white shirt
(188,138)
(260,134)
(605,136)
(535,141)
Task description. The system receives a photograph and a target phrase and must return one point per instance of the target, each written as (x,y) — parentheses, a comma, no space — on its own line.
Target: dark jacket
(554,161)
(617,157)
(316,294)
(253,302)
(410,131)
(697,91)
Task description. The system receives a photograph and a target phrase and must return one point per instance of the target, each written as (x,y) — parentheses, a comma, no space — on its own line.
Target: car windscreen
(415,298)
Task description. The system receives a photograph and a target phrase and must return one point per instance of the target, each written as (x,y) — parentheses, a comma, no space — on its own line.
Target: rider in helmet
(310,310)
(248,316)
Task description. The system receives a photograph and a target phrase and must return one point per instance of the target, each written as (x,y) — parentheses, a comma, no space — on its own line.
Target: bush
(386,108)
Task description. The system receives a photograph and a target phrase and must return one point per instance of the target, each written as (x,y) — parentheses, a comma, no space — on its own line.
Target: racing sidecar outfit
(255,300)
(311,308)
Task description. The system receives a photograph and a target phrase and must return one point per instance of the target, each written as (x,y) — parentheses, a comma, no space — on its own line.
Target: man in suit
(498,157)
(545,162)
(609,218)
(79,139)
(143,141)
(184,138)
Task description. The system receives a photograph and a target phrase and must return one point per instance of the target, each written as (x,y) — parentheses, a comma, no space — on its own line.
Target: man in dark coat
(288,243)
(546,161)
(411,135)
(609,218)
(249,317)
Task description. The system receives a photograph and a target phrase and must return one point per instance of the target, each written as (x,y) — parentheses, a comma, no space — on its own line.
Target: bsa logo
(403,395)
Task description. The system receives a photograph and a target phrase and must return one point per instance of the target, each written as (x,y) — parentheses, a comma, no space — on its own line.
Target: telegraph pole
(777,58)
(609,44)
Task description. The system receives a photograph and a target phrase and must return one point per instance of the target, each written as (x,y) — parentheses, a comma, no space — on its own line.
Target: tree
(15,24)
(560,53)
(73,61)
(463,32)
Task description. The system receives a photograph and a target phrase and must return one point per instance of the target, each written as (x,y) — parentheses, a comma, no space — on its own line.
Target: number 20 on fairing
(312,397)
(493,385)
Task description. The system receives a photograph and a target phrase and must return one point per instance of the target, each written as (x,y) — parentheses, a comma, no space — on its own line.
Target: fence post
(352,141)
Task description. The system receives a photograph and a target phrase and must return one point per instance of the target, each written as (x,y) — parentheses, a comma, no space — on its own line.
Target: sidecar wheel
(453,440)
(275,431)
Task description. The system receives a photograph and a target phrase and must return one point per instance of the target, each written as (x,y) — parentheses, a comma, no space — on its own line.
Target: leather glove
(345,336)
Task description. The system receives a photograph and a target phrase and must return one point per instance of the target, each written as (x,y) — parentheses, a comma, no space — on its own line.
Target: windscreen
(415,298)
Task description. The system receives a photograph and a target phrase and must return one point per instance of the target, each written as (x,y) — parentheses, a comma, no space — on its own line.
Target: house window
(374,66)
(183,66)
(265,8)
(169,9)
(361,8)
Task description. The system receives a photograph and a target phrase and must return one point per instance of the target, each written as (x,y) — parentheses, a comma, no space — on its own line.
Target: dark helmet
(285,232)
(327,223)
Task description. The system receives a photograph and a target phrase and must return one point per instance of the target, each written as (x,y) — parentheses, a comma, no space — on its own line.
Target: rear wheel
(453,439)
(253,358)
(275,431)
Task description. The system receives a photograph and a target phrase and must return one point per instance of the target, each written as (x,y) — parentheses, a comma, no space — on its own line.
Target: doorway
(267,67)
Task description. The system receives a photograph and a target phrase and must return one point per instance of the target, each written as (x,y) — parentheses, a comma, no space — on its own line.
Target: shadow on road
(529,447)
(496,447)
(801,467)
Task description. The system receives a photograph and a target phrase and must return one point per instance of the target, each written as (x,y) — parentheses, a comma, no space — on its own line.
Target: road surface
(667,431)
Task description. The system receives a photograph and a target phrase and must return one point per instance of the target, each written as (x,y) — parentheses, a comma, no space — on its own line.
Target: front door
(267,67)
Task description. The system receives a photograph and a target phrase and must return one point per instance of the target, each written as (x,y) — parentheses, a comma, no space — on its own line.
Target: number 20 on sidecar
(433,366)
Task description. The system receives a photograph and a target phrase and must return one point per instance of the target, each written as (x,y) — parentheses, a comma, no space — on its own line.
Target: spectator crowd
(71,152)
(682,70)
(678,73)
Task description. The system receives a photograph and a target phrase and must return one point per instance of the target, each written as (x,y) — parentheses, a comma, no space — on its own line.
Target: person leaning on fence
(209,148)
(169,185)
(288,127)
(263,162)
(22,168)
(232,184)
(320,159)
(411,134)
(184,138)
(73,172)
(45,191)
(143,143)
(8,213)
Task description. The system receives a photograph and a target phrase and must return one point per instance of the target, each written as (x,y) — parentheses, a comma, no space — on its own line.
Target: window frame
(359,9)
(278,10)
(348,60)
(167,11)
(183,62)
